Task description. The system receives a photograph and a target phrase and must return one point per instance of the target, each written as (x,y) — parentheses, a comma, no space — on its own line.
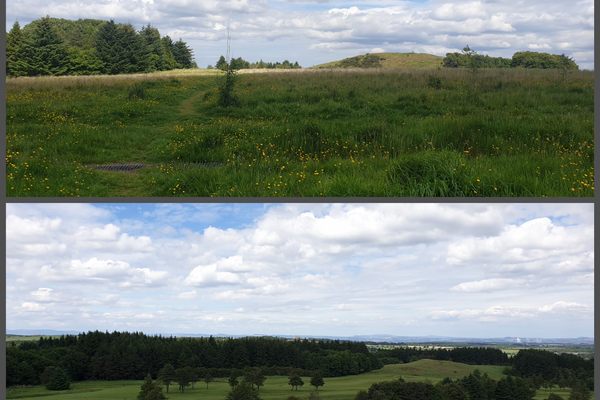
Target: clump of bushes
(137,91)
(55,378)
(364,61)
(522,59)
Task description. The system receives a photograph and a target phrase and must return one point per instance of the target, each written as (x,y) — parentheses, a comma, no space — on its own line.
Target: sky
(475,270)
(318,31)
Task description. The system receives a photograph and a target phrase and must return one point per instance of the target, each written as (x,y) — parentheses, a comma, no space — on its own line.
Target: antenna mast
(228,43)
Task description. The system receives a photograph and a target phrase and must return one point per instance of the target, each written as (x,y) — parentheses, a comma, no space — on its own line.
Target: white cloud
(32,306)
(210,275)
(103,270)
(495,313)
(292,268)
(487,285)
(44,295)
(534,241)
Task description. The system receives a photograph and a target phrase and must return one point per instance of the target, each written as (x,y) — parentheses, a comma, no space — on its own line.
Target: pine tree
(168,45)
(183,54)
(55,378)
(155,51)
(167,375)
(150,390)
(49,54)
(16,52)
(121,49)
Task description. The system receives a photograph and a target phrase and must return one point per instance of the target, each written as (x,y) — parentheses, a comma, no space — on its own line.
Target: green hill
(387,61)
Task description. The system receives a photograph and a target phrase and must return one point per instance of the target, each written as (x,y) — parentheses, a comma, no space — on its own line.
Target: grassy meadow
(405,132)
(276,387)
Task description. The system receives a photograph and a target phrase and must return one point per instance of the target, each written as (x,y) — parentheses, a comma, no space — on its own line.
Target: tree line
(466,355)
(240,63)
(124,355)
(51,46)
(469,58)
(539,367)
(475,386)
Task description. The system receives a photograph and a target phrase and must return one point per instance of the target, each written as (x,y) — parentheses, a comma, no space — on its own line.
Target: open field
(318,133)
(276,387)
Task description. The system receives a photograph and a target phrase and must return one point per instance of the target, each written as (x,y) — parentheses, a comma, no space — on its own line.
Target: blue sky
(473,270)
(317,31)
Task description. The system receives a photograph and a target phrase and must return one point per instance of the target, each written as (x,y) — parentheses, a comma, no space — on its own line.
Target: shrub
(137,91)
(434,82)
(55,378)
(226,96)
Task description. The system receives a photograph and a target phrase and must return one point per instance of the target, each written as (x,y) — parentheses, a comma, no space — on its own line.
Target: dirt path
(186,108)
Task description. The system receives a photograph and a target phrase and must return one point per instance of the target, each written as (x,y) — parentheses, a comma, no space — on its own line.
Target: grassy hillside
(276,387)
(304,133)
(387,61)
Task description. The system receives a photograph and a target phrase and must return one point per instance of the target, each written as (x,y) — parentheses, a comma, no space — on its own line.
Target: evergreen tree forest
(51,46)
(120,355)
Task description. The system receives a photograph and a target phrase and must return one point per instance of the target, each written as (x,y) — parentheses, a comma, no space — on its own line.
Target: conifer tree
(16,52)
(48,52)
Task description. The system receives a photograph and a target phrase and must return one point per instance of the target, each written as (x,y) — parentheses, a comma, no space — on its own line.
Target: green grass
(305,133)
(276,387)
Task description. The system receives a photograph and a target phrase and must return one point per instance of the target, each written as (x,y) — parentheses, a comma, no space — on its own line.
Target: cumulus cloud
(100,270)
(534,244)
(211,275)
(294,268)
(487,285)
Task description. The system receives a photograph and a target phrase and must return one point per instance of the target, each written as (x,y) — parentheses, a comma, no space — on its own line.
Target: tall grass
(306,133)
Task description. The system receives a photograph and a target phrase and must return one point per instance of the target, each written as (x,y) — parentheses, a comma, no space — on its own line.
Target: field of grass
(304,133)
(276,387)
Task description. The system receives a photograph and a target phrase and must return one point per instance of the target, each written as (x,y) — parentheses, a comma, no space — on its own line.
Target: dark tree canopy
(51,46)
(55,378)
(120,355)
(243,391)
(150,390)
(317,381)
(167,375)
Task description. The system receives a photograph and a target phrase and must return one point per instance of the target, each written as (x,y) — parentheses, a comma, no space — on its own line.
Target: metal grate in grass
(119,167)
(128,167)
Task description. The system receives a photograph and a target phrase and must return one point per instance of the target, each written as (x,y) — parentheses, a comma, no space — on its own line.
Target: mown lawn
(332,133)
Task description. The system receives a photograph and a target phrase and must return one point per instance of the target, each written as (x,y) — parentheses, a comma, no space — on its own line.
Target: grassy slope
(398,60)
(311,133)
(276,387)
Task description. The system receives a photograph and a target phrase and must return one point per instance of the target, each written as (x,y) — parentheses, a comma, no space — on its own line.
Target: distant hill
(387,61)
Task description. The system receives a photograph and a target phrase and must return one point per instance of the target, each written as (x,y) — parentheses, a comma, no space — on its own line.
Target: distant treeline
(51,46)
(114,356)
(538,365)
(521,59)
(466,355)
(240,63)
(475,386)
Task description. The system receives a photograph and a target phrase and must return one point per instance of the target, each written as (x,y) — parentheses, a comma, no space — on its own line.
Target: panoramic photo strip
(300,301)
(300,98)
